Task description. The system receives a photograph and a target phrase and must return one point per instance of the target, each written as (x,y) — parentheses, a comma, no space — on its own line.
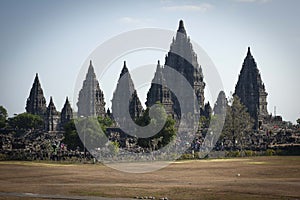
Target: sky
(55,38)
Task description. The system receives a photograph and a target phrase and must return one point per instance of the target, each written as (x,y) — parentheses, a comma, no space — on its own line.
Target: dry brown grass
(260,178)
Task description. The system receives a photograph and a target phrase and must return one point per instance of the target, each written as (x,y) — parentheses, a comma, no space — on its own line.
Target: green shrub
(279,152)
(249,153)
(3,157)
(270,152)
(233,154)
(186,156)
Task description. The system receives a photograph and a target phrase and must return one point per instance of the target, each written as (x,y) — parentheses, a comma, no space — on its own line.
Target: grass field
(260,178)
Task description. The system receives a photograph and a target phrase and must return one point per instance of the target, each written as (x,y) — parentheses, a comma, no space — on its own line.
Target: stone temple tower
(221,104)
(36,102)
(251,90)
(182,58)
(125,91)
(158,93)
(91,98)
(66,113)
(52,117)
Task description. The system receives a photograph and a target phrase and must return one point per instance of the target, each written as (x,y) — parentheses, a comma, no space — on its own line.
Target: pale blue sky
(53,38)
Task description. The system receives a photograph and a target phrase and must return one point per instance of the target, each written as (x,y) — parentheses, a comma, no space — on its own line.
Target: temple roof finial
(124,69)
(124,66)
(249,52)
(91,68)
(181,28)
(158,66)
(181,24)
(36,79)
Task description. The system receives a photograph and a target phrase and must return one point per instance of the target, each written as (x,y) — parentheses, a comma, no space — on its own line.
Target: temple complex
(36,105)
(126,103)
(269,132)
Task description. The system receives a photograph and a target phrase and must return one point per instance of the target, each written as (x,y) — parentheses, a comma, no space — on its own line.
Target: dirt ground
(260,178)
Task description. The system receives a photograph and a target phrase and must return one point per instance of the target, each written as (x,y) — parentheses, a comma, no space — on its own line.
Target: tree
(168,132)
(237,122)
(26,121)
(91,132)
(3,117)
(298,121)
(71,137)
(164,136)
(105,122)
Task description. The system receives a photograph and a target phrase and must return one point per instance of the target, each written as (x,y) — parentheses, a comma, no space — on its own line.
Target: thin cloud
(134,21)
(129,20)
(252,1)
(165,1)
(188,8)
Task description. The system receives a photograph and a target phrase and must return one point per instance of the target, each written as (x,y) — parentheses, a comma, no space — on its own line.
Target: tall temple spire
(66,113)
(221,104)
(52,117)
(183,59)
(158,92)
(125,91)
(91,99)
(251,90)
(51,109)
(135,106)
(36,102)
